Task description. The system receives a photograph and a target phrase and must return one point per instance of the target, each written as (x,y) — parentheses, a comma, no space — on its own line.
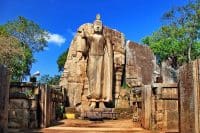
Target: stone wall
(4,97)
(139,64)
(164,107)
(50,98)
(23,105)
(18,113)
(189,97)
(33,105)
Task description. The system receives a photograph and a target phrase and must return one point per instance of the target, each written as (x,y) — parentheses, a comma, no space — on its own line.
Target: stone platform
(99,114)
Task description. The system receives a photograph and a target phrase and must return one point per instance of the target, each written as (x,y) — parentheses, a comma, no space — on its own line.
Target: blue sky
(135,18)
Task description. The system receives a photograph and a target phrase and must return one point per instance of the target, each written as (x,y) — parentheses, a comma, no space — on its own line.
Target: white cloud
(56,39)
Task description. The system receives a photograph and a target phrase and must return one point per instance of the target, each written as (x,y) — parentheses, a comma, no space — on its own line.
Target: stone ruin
(153,96)
(141,90)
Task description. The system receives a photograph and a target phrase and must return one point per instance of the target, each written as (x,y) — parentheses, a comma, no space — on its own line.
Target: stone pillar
(44,105)
(117,86)
(146,107)
(4,98)
(189,92)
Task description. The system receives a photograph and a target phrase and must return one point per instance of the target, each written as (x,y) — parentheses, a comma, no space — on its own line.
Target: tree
(11,51)
(178,39)
(28,32)
(186,18)
(26,37)
(50,80)
(61,60)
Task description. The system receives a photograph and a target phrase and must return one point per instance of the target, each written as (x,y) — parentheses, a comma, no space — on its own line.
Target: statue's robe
(99,67)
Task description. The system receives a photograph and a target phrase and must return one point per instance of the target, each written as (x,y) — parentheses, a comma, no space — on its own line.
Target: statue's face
(98,27)
(81,32)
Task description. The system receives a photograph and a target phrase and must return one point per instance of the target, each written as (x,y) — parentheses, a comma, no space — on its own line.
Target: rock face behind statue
(139,65)
(94,66)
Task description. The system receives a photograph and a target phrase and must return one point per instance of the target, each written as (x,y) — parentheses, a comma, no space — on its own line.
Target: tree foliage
(61,60)
(10,51)
(178,39)
(28,32)
(50,80)
(19,39)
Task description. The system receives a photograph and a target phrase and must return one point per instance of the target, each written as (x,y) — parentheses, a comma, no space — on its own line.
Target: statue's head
(97,25)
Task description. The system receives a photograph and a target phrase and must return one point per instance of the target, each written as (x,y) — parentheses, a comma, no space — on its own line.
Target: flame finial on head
(98,17)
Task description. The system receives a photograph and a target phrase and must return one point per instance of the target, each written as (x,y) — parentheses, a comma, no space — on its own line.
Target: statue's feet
(107,100)
(101,105)
(92,105)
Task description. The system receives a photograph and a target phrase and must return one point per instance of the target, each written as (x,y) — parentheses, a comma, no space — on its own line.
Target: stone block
(169,93)
(18,104)
(171,105)
(159,117)
(33,105)
(18,114)
(159,105)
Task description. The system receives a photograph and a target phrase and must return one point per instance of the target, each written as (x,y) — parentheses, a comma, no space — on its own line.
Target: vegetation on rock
(61,60)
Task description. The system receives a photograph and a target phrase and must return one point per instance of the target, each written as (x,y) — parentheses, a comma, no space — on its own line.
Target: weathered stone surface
(169,93)
(189,97)
(4,98)
(164,106)
(50,98)
(146,106)
(139,64)
(18,104)
(124,113)
(18,113)
(123,99)
(169,74)
(32,105)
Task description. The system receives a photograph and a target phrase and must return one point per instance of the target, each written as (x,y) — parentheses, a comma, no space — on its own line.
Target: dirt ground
(86,126)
